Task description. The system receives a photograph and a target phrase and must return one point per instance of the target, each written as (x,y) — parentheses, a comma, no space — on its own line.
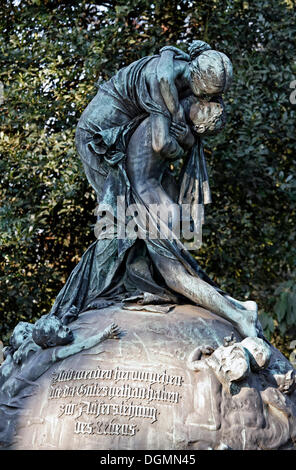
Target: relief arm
(111,332)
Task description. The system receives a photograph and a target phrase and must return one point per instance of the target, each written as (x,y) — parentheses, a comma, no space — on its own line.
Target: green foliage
(285,307)
(53,51)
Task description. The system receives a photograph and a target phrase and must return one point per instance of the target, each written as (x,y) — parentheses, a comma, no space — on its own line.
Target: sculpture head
(21,332)
(234,361)
(230,363)
(49,331)
(207,117)
(210,70)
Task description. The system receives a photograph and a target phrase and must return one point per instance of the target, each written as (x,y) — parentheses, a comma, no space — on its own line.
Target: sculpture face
(234,360)
(207,117)
(49,331)
(231,362)
(21,332)
(60,334)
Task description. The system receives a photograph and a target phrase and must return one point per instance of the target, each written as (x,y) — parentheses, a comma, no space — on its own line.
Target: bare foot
(236,303)
(250,305)
(248,325)
(244,305)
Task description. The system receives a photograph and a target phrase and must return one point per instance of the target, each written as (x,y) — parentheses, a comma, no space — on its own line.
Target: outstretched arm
(111,332)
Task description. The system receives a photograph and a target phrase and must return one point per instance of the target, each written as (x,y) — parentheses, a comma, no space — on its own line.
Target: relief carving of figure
(248,391)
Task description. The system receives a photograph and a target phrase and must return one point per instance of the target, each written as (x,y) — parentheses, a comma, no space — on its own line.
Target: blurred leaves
(285,307)
(53,52)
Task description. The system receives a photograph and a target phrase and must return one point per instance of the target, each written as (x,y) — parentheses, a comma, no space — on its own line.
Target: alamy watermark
(152,221)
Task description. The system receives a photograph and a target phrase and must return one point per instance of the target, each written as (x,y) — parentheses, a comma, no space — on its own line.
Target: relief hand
(182,133)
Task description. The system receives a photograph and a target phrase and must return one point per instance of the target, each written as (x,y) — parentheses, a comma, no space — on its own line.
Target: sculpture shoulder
(170,66)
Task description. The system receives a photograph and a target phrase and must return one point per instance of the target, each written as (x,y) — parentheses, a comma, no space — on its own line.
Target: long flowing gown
(118,268)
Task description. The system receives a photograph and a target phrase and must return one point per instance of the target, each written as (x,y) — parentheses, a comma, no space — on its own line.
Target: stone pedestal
(139,391)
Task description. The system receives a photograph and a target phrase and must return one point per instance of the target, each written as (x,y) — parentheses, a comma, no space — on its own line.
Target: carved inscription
(113,401)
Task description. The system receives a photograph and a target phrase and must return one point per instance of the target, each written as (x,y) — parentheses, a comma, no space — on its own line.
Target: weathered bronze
(191,369)
(150,114)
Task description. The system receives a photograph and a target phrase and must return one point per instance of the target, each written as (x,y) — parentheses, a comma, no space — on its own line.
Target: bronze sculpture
(148,115)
